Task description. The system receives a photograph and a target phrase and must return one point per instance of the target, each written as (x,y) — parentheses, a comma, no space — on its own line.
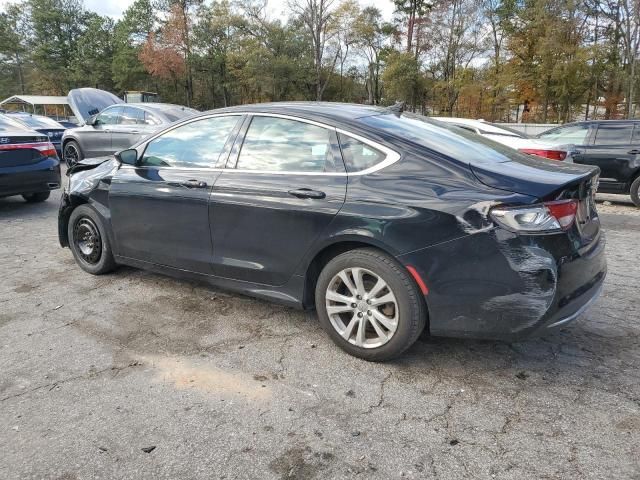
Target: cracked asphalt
(135,375)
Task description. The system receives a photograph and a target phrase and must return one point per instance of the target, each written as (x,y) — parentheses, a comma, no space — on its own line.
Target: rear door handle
(194,184)
(307,193)
(635,151)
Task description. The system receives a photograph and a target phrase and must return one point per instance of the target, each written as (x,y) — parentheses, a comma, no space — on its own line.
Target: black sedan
(386,222)
(29,165)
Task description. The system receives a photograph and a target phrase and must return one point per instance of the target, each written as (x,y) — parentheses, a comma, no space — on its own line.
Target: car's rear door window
(129,116)
(150,119)
(274,144)
(614,134)
(197,144)
(357,155)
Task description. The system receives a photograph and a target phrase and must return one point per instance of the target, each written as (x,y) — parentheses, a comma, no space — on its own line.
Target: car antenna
(397,107)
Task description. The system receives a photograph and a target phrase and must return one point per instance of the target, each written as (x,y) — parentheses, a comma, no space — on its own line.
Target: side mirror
(129,156)
(91,120)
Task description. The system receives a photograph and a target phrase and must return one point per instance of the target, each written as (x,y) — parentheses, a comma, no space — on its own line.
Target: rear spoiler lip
(539,191)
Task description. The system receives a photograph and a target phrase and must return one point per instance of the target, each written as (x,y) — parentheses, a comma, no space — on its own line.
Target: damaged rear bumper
(508,287)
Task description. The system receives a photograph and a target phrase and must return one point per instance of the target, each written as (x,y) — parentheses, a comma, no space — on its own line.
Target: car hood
(534,176)
(86,102)
(89,164)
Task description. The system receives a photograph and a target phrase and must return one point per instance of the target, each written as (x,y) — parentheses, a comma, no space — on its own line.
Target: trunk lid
(86,102)
(549,180)
(534,176)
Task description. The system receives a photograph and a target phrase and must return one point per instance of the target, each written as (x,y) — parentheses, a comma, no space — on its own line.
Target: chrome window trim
(391,156)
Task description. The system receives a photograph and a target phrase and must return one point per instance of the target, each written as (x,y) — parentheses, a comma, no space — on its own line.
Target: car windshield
(9,124)
(453,142)
(38,122)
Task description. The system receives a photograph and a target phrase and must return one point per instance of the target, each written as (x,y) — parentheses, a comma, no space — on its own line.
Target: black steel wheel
(89,241)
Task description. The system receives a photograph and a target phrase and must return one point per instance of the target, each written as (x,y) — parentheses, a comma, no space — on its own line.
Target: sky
(114,8)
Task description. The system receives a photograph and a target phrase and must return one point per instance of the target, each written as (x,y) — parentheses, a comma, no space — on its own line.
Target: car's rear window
(453,142)
(38,122)
(8,124)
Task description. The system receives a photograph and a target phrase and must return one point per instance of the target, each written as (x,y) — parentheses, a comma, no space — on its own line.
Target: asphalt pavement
(135,375)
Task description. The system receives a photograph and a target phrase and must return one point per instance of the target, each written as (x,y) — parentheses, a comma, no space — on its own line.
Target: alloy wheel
(71,154)
(362,307)
(87,240)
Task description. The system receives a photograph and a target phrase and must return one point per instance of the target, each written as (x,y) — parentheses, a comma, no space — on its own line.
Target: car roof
(337,111)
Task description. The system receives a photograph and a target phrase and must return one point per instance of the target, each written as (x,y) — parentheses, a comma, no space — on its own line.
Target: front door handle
(307,193)
(194,184)
(635,151)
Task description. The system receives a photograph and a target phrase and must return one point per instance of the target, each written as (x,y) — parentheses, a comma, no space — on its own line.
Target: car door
(159,207)
(282,187)
(612,151)
(95,140)
(129,129)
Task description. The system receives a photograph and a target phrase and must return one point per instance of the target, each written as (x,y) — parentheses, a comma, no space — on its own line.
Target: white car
(511,138)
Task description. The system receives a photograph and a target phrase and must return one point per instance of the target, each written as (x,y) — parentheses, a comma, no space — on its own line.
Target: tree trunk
(20,73)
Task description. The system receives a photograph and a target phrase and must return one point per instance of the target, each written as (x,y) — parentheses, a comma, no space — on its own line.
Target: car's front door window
(197,144)
(572,134)
(274,144)
(108,116)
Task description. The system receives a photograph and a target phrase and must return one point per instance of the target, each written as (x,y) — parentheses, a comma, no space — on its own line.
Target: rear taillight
(550,154)
(564,211)
(540,218)
(46,149)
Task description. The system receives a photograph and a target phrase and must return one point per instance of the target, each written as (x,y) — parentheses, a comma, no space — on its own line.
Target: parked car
(29,165)
(45,125)
(611,145)
(111,125)
(510,138)
(387,222)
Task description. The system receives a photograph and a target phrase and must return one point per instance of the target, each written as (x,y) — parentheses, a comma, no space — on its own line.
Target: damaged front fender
(89,182)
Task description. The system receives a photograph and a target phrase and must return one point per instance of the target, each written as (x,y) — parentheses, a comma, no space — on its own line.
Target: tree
(92,62)
(370,35)
(14,35)
(317,16)
(130,34)
(56,28)
(403,79)
(411,11)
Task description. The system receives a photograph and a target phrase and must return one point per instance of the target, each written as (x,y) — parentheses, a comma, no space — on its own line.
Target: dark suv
(612,145)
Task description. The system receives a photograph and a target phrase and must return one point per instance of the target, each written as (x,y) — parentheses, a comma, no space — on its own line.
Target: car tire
(36,197)
(388,328)
(89,242)
(72,153)
(635,192)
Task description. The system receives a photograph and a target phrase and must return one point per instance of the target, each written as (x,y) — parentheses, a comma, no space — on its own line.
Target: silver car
(110,125)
